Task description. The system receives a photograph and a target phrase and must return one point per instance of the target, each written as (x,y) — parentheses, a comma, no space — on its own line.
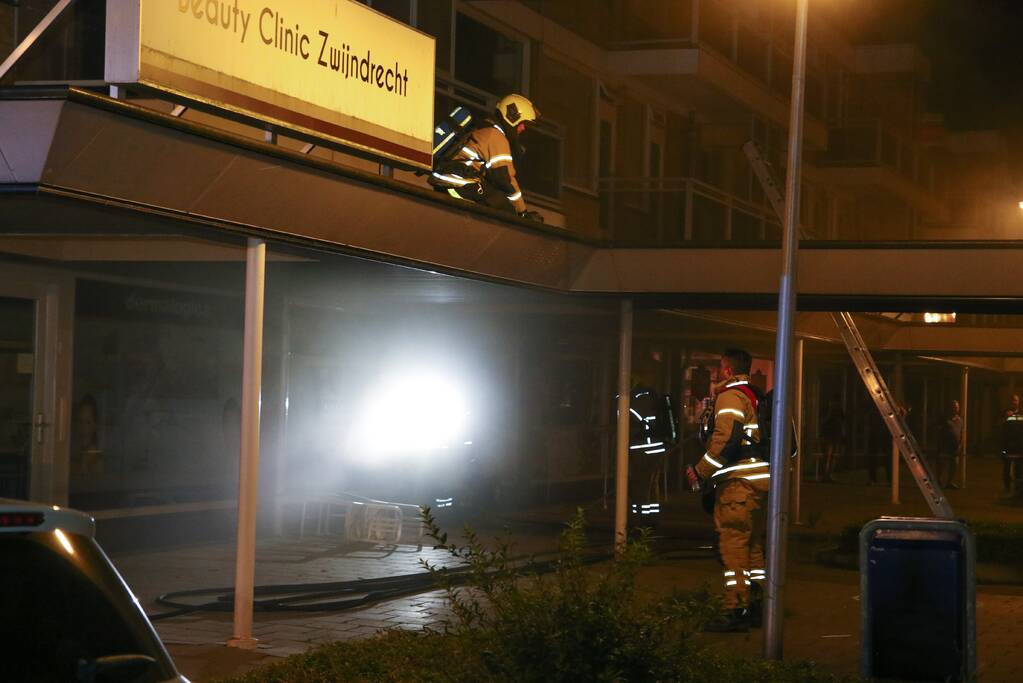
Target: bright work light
(409,414)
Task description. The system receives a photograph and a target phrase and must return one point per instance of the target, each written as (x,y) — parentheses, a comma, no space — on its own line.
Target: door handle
(39,424)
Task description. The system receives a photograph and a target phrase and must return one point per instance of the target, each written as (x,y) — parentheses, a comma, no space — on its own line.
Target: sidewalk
(822,604)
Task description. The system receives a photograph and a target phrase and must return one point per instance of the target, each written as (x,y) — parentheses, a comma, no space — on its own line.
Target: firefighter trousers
(740,520)
(483,193)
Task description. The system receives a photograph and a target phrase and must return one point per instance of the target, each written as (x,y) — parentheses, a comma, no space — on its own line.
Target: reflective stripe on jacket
(735,425)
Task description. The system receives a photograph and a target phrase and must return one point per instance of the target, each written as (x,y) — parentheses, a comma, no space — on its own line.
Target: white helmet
(516,109)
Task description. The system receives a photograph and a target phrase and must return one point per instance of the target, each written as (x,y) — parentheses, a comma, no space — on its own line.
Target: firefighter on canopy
(735,470)
(479,165)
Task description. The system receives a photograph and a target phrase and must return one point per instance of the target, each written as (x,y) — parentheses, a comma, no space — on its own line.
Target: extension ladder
(864,362)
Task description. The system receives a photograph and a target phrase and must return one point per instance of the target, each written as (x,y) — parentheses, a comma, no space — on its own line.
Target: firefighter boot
(730,621)
(756,605)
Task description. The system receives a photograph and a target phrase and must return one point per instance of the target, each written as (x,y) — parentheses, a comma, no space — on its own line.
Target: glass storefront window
(157,375)
(486,58)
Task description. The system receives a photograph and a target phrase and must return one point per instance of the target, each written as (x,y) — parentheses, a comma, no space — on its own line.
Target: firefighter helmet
(516,109)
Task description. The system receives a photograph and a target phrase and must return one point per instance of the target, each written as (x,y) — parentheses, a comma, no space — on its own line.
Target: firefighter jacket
(729,450)
(485,157)
(1012,433)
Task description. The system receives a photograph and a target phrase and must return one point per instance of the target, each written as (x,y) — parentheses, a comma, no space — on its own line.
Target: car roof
(53,517)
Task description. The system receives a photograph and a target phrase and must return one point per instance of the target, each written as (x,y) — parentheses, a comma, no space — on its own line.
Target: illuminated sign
(333,69)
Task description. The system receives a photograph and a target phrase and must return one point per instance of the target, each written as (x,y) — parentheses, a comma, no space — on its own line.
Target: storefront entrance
(35,330)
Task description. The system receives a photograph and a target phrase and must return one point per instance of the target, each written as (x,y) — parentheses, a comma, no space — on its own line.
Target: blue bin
(918,597)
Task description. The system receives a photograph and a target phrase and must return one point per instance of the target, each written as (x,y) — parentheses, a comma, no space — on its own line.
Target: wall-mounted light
(939,317)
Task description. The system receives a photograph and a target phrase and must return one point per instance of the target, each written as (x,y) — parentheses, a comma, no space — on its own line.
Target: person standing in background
(832,438)
(950,437)
(1012,448)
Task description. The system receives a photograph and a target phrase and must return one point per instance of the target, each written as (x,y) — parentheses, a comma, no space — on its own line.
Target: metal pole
(248,479)
(896,456)
(622,450)
(797,413)
(777,504)
(964,395)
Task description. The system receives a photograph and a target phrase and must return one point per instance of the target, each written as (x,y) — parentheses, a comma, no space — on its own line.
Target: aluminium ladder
(864,362)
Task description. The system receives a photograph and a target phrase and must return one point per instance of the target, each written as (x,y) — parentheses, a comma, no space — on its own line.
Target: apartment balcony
(725,67)
(666,212)
(866,156)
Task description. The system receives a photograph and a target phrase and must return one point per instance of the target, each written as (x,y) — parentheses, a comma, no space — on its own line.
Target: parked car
(67,615)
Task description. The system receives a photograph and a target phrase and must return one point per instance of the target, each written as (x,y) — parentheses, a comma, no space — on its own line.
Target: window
(631,148)
(709,219)
(654,21)
(8,17)
(781,74)
(745,227)
(655,160)
(606,148)
(396,9)
(605,163)
(815,94)
(834,90)
(656,198)
(716,27)
(752,53)
(568,97)
(486,58)
(435,19)
(71,49)
(540,170)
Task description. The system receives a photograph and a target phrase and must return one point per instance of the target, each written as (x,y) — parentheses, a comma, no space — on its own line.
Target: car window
(62,604)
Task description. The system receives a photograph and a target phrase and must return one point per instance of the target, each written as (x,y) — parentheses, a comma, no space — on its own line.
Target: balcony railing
(871,144)
(647,211)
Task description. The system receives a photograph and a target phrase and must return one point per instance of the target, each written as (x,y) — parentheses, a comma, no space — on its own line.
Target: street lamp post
(777,505)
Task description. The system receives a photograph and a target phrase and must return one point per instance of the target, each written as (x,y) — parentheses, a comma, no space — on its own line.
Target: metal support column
(964,395)
(797,414)
(248,480)
(777,503)
(622,450)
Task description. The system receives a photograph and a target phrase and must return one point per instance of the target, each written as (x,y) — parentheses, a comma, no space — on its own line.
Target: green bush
(513,622)
(577,623)
(390,657)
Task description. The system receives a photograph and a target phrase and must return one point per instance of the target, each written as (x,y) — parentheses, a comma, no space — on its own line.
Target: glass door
(21,422)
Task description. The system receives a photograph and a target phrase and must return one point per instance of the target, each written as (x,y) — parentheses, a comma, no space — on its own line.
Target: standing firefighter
(736,467)
(481,168)
(653,431)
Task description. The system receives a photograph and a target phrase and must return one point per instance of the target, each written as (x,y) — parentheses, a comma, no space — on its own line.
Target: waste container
(918,598)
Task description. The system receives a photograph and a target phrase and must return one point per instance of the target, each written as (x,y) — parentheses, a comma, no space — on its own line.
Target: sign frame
(126,65)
